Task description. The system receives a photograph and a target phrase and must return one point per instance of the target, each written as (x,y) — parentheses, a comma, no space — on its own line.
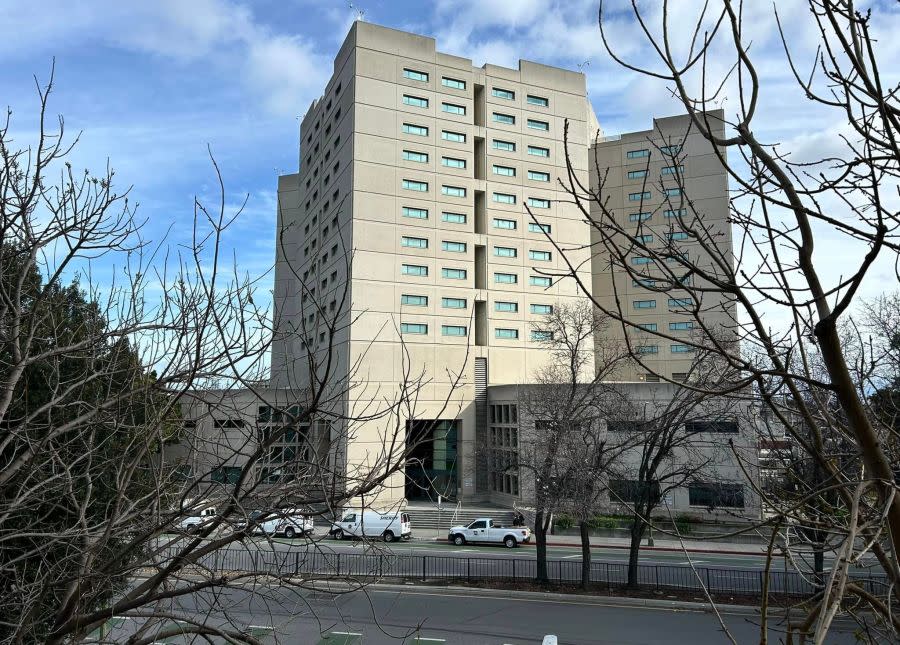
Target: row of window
(681,325)
(454,162)
(460,191)
(707,494)
(671,212)
(421,271)
(461,218)
(415,300)
(675,348)
(458,84)
(679,303)
(666,170)
(645,152)
(460,137)
(461,247)
(504,333)
(644,195)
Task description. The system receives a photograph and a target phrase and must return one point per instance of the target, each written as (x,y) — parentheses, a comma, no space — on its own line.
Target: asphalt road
(434,617)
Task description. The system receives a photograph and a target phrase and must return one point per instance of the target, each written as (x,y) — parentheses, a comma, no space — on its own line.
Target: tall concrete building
(655,184)
(419,166)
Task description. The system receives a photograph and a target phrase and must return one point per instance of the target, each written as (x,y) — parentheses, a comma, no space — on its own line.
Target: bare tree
(674,438)
(779,207)
(564,451)
(104,388)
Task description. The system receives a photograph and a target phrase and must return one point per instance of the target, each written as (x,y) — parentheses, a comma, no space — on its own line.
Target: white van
(388,526)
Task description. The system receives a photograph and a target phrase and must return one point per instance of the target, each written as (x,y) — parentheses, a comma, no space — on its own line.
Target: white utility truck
(484,529)
(389,526)
(289,522)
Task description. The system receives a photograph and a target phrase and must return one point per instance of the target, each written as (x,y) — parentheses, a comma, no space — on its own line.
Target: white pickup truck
(484,529)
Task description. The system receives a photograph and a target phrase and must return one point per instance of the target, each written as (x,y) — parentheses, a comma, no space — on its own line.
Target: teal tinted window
(536,202)
(507,146)
(505,252)
(540,256)
(641,260)
(453,108)
(419,186)
(540,281)
(681,349)
(534,124)
(637,174)
(675,212)
(414,242)
(454,218)
(501,332)
(453,274)
(417,213)
(540,101)
(506,278)
(539,228)
(509,95)
(453,247)
(508,119)
(639,217)
(541,334)
(648,326)
(681,302)
(542,310)
(537,151)
(637,154)
(453,191)
(455,137)
(504,198)
(508,224)
(413,328)
(452,162)
(536,175)
(647,349)
(685,325)
(670,150)
(505,171)
(414,269)
(453,330)
(672,192)
(636,197)
(419,130)
(677,236)
(415,101)
(453,303)
(414,301)
(453,83)
(644,304)
(506,307)
(419,157)
(415,75)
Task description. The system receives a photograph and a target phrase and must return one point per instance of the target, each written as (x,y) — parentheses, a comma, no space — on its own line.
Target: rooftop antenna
(582,65)
(360,12)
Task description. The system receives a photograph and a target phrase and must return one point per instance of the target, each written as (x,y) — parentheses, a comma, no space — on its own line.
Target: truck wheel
(388,536)
(289,532)
(510,542)
(459,540)
(339,535)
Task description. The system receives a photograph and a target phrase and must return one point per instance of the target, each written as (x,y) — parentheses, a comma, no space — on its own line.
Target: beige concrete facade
(643,164)
(409,219)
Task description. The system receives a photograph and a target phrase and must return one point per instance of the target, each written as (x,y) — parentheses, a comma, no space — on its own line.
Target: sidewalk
(668,544)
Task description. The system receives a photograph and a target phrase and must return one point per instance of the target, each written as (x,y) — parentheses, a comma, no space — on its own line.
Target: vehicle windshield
(255,514)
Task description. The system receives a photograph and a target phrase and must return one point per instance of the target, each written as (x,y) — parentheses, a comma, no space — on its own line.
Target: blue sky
(150,84)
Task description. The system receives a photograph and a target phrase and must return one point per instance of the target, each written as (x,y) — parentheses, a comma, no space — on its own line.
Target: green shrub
(564,521)
(604,522)
(684,524)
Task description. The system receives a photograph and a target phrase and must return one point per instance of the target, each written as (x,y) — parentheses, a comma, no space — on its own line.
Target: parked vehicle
(388,526)
(484,529)
(289,522)
(195,519)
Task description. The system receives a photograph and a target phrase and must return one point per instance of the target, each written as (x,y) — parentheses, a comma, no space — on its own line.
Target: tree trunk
(638,527)
(540,536)
(585,554)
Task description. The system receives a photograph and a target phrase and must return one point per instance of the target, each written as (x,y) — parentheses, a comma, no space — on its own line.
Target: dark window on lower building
(719,426)
(226,474)
(715,495)
(623,425)
(631,491)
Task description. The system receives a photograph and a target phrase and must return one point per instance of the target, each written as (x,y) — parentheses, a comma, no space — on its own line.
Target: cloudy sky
(150,84)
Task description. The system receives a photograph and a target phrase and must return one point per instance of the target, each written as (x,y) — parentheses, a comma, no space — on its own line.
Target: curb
(584,599)
(625,547)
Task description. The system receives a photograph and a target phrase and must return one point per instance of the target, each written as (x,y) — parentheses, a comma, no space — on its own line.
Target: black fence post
(708,586)
(656,567)
(514,568)
(338,573)
(424,560)
(469,569)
